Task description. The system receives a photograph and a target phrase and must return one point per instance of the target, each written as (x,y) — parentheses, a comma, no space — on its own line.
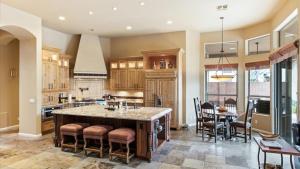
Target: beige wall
(9,87)
(191,75)
(133,45)
(28,29)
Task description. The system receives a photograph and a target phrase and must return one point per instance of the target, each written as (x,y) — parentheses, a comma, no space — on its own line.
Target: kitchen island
(152,124)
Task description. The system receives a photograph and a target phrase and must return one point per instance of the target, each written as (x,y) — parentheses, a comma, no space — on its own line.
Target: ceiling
(200,15)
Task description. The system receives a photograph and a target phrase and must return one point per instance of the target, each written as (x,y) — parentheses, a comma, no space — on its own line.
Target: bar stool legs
(121,136)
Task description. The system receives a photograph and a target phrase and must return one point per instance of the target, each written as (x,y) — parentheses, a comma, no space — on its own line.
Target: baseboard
(9,128)
(261,131)
(30,136)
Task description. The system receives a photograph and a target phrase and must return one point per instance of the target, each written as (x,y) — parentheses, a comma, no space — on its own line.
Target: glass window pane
(216,91)
(259,81)
(213,50)
(259,45)
(289,33)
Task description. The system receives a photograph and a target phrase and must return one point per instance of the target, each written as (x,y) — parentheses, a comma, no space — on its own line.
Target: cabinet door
(131,81)
(66,78)
(167,90)
(53,75)
(45,76)
(114,78)
(150,90)
(46,99)
(140,79)
(123,78)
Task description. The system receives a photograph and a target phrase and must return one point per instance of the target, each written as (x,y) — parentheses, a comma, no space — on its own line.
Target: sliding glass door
(285,87)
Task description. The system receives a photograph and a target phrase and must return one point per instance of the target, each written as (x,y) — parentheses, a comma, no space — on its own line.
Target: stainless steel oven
(47,111)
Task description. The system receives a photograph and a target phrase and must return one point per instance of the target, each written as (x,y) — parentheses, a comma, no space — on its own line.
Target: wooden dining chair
(230,104)
(197,105)
(209,121)
(245,125)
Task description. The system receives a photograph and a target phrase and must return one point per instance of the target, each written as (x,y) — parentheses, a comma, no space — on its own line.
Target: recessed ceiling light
(91,12)
(142,3)
(62,18)
(169,22)
(114,8)
(128,28)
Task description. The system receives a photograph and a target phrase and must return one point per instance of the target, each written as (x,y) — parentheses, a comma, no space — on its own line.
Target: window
(259,84)
(217,91)
(213,50)
(258,45)
(289,33)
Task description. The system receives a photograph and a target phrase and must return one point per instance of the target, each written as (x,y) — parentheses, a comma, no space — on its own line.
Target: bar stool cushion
(97,130)
(73,127)
(124,134)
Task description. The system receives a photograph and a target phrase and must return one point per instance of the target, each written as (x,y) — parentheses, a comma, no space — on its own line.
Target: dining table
(228,116)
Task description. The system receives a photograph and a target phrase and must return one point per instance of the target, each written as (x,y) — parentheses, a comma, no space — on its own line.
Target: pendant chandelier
(220,66)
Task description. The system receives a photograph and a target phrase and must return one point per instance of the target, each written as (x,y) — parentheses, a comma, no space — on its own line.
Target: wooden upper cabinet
(127,74)
(55,78)
(140,79)
(114,79)
(123,79)
(114,65)
(132,64)
(50,70)
(131,81)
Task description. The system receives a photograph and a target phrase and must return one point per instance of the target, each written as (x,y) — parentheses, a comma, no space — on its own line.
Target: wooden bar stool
(97,132)
(121,136)
(75,130)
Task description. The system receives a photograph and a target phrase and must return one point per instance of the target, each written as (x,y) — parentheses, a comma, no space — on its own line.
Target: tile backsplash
(96,88)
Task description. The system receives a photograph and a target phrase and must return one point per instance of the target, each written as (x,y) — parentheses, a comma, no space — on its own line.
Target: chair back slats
(230,104)
(249,112)
(208,112)
(197,107)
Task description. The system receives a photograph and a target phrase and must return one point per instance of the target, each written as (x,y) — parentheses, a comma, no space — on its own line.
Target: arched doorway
(29,76)
(9,82)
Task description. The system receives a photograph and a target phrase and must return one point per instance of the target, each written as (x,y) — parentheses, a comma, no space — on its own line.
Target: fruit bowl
(270,137)
(222,109)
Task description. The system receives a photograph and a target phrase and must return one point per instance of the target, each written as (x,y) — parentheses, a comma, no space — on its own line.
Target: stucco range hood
(90,61)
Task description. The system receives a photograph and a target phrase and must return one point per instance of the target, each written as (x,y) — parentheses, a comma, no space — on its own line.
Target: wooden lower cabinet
(166,89)
(47,126)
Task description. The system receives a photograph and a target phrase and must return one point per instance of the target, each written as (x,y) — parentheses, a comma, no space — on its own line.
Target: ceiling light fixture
(91,12)
(128,28)
(232,48)
(221,76)
(62,18)
(114,8)
(142,3)
(169,22)
(222,7)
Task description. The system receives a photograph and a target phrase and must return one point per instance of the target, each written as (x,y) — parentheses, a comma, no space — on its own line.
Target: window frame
(256,96)
(289,23)
(211,43)
(247,47)
(221,95)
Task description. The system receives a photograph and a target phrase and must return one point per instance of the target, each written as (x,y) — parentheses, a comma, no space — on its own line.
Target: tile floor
(186,150)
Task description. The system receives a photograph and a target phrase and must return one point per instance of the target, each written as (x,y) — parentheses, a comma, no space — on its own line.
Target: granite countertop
(138,101)
(142,113)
